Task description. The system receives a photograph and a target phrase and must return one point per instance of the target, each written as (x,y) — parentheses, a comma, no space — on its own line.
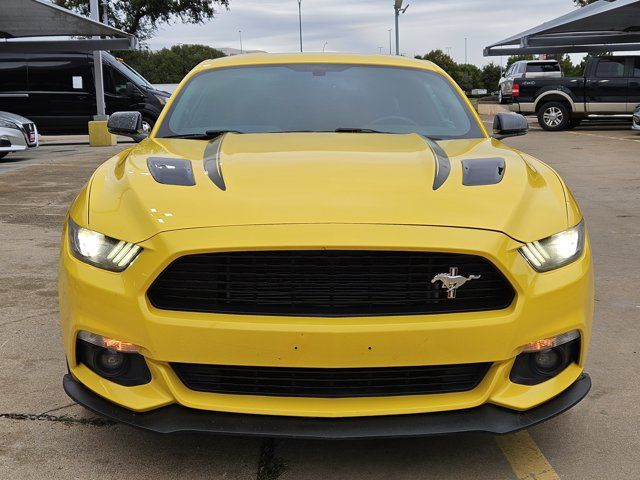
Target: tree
(469,77)
(142,17)
(583,3)
(441,59)
(490,76)
(168,65)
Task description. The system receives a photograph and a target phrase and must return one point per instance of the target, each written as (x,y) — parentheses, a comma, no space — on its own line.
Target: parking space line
(605,136)
(526,459)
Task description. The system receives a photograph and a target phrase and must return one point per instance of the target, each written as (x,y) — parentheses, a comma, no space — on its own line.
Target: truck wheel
(501,98)
(554,116)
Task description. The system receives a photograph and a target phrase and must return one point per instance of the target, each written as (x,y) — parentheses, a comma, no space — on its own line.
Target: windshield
(320,98)
(130,72)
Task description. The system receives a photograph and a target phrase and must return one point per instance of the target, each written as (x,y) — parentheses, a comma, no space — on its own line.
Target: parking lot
(43,433)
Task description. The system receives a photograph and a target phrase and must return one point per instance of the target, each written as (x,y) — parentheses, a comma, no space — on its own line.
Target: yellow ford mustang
(325,246)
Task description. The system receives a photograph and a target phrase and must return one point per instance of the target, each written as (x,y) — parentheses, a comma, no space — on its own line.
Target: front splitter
(485,418)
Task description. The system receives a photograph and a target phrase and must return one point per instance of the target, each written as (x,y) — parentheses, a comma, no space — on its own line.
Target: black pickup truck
(610,88)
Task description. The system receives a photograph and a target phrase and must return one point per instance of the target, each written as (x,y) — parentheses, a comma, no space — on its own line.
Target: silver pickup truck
(16,133)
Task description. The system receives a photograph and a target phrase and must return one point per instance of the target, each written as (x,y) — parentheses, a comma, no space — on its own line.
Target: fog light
(111,361)
(117,361)
(547,360)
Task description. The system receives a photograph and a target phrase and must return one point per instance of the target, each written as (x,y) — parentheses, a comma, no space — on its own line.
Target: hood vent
(482,171)
(171,171)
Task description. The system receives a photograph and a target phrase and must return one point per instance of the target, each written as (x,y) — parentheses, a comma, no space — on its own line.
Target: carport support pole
(97,67)
(99,135)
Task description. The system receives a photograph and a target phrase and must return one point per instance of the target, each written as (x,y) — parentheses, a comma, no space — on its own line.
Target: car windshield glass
(320,98)
(136,76)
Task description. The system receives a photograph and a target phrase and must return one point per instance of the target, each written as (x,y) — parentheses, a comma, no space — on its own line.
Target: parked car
(610,88)
(16,134)
(526,69)
(57,91)
(300,250)
(636,118)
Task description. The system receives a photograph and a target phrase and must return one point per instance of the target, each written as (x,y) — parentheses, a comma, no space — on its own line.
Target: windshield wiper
(208,135)
(357,130)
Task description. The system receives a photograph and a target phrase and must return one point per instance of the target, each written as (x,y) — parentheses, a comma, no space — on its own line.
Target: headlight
(99,250)
(555,251)
(8,124)
(162,100)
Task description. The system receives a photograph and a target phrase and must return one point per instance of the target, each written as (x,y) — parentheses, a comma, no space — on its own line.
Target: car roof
(253,59)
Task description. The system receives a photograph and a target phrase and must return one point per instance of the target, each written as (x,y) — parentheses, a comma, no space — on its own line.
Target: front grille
(331,382)
(327,283)
(31,134)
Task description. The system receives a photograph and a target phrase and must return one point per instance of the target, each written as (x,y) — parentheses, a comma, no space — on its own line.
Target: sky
(362,26)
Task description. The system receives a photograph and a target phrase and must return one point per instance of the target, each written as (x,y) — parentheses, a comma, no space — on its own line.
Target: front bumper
(17,140)
(485,418)
(116,306)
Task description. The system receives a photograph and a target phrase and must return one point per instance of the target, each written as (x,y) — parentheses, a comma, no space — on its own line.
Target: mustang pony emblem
(452,281)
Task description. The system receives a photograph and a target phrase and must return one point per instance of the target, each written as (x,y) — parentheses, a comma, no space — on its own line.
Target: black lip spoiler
(486,418)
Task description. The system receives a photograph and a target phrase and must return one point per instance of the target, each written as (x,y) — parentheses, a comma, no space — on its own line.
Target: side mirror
(509,125)
(128,124)
(132,90)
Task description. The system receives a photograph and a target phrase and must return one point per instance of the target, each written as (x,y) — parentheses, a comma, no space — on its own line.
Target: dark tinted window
(610,67)
(115,82)
(13,75)
(636,67)
(59,74)
(320,97)
(543,67)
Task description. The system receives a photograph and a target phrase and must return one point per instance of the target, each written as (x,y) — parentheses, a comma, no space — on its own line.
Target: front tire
(147,124)
(554,116)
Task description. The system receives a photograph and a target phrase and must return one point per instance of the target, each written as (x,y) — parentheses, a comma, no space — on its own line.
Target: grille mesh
(327,283)
(331,382)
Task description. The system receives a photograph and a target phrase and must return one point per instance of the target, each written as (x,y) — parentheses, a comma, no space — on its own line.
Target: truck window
(636,67)
(543,67)
(611,67)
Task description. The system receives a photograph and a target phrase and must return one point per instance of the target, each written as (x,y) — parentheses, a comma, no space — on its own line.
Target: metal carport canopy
(603,26)
(24,23)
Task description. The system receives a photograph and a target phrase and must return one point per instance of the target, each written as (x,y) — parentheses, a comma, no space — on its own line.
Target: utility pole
(300,21)
(397,7)
(240,32)
(380,50)
(324,46)
(390,42)
(466,59)
(97,68)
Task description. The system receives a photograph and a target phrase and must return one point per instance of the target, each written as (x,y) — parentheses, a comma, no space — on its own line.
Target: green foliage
(168,65)
(468,77)
(583,3)
(142,17)
(490,77)
(441,59)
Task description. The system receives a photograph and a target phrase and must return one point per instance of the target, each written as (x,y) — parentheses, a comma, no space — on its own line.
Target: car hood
(12,117)
(305,178)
